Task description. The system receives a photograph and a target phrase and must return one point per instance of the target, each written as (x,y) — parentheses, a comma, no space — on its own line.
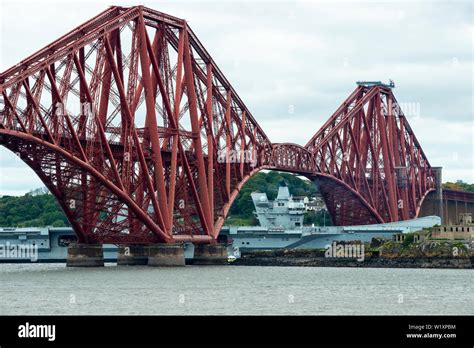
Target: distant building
(303,199)
(311,203)
(463,230)
(465,219)
(316,204)
(419,236)
(38,192)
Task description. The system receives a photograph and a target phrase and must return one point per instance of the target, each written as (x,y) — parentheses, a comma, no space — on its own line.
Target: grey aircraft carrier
(281,226)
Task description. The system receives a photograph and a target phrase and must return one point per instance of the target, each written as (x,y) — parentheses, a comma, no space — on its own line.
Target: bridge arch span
(67,179)
(293,158)
(346,206)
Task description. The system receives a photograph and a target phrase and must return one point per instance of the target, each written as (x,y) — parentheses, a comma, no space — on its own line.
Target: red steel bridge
(141,138)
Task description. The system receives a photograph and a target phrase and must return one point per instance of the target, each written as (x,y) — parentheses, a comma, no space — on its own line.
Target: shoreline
(304,258)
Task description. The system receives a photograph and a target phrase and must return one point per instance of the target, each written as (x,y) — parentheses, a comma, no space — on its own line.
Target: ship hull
(51,249)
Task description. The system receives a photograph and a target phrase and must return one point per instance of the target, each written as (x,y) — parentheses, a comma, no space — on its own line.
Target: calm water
(54,289)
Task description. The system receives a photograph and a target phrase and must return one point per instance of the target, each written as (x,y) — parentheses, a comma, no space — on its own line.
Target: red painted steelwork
(132,126)
(134,129)
(369,145)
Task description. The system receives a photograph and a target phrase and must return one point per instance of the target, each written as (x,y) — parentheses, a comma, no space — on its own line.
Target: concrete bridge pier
(210,254)
(438,171)
(85,255)
(166,255)
(132,255)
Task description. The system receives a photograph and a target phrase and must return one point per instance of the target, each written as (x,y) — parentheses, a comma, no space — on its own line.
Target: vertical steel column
(203,189)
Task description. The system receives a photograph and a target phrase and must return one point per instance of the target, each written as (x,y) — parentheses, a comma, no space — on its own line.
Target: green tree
(31,210)
(459,185)
(409,238)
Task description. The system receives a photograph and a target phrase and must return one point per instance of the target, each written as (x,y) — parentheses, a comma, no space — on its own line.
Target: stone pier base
(168,255)
(210,254)
(132,255)
(85,255)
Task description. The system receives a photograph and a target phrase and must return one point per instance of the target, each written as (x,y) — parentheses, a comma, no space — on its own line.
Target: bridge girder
(133,127)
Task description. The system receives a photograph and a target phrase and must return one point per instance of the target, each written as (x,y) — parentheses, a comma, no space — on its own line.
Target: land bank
(316,258)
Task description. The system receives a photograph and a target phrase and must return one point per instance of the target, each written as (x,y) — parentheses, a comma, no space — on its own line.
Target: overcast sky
(293,63)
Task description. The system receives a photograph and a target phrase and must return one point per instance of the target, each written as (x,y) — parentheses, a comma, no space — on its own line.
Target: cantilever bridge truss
(140,137)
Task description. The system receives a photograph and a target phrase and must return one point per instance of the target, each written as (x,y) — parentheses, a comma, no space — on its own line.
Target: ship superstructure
(282,213)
